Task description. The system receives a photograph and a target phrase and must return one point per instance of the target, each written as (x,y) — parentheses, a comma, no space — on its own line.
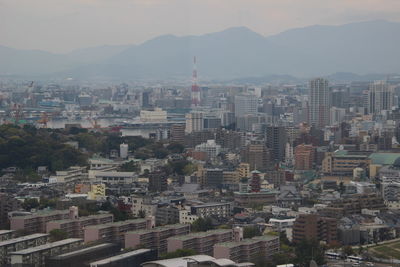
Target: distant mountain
(361,48)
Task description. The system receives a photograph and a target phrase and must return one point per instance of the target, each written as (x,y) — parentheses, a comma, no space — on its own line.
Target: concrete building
(276,139)
(248,250)
(155,115)
(380,97)
(7,204)
(245,105)
(155,239)
(343,162)
(132,259)
(265,197)
(177,133)
(97,191)
(194,122)
(210,147)
(314,227)
(222,210)
(75,227)
(36,222)
(168,214)
(319,103)
(115,232)
(73,174)
(36,256)
(201,242)
(15,244)
(304,156)
(83,256)
(115,178)
(214,178)
(123,151)
(6,234)
(257,156)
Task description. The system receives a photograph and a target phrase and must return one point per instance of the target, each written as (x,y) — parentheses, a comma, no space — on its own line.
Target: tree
(202,225)
(347,250)
(175,148)
(306,250)
(57,235)
(130,166)
(30,203)
(251,231)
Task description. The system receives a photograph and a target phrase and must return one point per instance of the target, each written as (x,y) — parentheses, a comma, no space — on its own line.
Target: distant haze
(361,48)
(66,25)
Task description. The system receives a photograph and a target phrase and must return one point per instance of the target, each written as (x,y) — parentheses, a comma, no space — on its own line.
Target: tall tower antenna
(195,87)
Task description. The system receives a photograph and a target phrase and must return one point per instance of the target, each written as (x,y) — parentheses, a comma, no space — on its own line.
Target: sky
(61,26)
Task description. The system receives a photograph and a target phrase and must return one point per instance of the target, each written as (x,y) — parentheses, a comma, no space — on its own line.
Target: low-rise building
(201,242)
(248,250)
(266,197)
(115,232)
(155,238)
(36,222)
(15,244)
(75,227)
(36,256)
(221,210)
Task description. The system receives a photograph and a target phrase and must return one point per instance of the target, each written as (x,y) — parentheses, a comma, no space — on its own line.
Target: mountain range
(362,48)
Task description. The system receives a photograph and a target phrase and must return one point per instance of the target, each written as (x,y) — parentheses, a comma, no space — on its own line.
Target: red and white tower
(195,87)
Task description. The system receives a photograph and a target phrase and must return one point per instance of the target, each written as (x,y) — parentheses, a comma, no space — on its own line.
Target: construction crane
(93,122)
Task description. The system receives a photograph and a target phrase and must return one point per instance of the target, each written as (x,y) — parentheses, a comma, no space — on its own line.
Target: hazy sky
(64,25)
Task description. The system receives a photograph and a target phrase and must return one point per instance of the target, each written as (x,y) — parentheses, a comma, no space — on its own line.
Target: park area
(386,251)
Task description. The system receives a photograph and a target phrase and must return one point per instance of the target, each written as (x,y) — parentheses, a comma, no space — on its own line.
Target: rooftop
(159,228)
(112,224)
(120,257)
(201,234)
(21,239)
(384,158)
(47,246)
(248,241)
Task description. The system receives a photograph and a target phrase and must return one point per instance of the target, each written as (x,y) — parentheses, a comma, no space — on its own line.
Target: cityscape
(202,148)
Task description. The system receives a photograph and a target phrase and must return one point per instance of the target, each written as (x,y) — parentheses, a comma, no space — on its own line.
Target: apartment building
(115,232)
(15,244)
(344,162)
(201,242)
(36,256)
(315,227)
(75,227)
(36,223)
(265,197)
(248,250)
(115,178)
(156,238)
(74,173)
(6,234)
(221,210)
(8,203)
(132,258)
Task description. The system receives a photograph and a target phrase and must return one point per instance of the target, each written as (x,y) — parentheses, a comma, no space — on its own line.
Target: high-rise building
(257,156)
(245,105)
(276,141)
(304,157)
(319,103)
(380,97)
(178,133)
(314,227)
(194,122)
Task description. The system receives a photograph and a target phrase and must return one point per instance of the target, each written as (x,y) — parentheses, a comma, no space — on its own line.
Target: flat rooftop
(247,241)
(160,228)
(112,224)
(21,239)
(85,218)
(3,232)
(83,251)
(120,257)
(42,213)
(47,246)
(202,234)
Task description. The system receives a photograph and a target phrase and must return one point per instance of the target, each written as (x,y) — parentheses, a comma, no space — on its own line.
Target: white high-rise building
(337,115)
(194,122)
(245,105)
(210,147)
(123,151)
(380,97)
(319,103)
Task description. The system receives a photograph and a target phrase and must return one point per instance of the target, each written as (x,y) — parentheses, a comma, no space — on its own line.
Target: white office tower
(194,122)
(245,105)
(123,151)
(380,97)
(210,147)
(319,105)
